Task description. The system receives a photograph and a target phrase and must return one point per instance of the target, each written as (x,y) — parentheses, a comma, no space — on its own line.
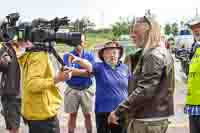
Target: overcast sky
(102,12)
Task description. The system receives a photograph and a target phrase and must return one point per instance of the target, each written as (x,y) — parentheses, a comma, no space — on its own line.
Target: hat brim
(195,26)
(194,22)
(100,53)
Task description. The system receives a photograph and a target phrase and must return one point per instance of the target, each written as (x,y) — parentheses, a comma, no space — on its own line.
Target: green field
(92,39)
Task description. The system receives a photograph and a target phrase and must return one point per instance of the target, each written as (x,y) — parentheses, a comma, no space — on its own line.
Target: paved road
(179,120)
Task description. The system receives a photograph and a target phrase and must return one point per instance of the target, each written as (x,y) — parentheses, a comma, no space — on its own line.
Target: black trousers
(103,126)
(50,125)
(194,124)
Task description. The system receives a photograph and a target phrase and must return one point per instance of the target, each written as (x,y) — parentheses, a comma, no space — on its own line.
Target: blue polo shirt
(77,81)
(111,86)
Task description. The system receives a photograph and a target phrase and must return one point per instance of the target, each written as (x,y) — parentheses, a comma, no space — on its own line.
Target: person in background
(80,90)
(192,107)
(10,90)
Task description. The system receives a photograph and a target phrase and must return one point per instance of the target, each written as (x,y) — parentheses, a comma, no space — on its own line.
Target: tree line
(118,28)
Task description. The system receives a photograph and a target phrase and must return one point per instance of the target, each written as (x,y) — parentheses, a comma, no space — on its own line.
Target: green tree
(120,27)
(174,28)
(167,29)
(83,25)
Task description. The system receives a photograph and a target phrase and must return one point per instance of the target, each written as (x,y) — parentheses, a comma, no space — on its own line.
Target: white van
(184,39)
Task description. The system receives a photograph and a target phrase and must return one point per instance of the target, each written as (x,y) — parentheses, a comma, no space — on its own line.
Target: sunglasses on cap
(144,19)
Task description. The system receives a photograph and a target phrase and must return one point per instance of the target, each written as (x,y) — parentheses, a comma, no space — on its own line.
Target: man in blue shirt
(80,91)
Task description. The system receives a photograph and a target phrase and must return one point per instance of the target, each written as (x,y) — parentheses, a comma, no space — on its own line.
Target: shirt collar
(118,64)
(76,54)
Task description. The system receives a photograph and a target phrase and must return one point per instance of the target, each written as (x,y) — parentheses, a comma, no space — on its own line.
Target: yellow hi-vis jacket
(193,96)
(41,98)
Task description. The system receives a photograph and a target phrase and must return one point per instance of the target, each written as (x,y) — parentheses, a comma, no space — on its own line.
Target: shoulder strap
(10,52)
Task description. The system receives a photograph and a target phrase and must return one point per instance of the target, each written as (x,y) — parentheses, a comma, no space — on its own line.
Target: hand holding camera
(5,59)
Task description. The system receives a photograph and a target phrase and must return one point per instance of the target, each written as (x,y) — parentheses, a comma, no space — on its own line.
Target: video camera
(42,33)
(39,31)
(8,27)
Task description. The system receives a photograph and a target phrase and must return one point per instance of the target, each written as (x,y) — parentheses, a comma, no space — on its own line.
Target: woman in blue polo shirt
(111,84)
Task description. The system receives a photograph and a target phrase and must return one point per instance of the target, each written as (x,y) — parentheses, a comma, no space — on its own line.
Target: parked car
(184,39)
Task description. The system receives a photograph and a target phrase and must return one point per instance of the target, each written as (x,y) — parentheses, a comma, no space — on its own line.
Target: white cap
(195,21)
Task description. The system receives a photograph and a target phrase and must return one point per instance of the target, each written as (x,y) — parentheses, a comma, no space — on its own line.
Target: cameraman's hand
(5,59)
(63,75)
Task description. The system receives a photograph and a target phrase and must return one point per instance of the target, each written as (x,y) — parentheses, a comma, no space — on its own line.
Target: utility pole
(148,12)
(102,20)
(197,12)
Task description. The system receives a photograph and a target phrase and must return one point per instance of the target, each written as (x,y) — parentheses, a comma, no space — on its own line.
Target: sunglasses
(143,19)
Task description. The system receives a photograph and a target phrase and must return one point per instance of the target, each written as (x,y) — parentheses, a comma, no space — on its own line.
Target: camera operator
(10,86)
(41,98)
